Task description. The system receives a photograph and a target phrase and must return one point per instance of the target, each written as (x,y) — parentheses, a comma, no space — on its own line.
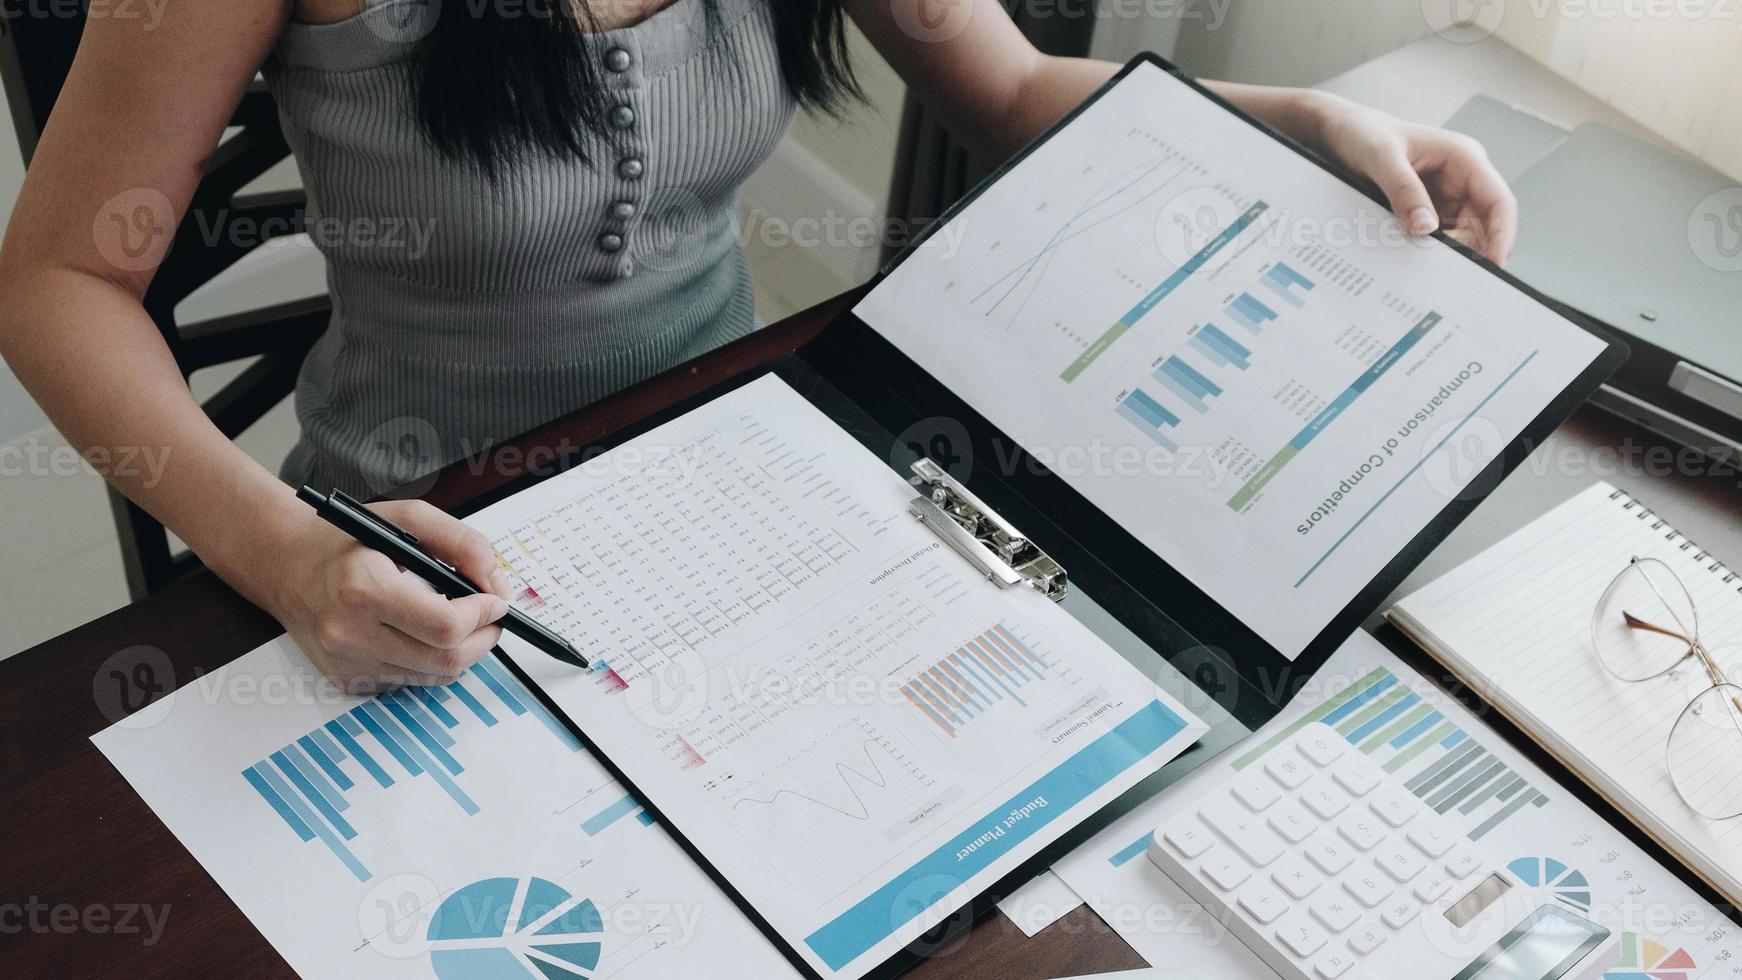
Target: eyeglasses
(1647,627)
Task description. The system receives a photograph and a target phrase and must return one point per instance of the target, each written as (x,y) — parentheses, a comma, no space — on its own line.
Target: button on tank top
(467,311)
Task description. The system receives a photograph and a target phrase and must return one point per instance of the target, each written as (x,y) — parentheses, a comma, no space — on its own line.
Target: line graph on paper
(1110,199)
(1098,240)
(840,781)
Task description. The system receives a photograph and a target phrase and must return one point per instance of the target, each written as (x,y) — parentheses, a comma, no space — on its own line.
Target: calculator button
(1361,831)
(1431,838)
(1288,769)
(1432,886)
(1246,831)
(1188,838)
(1333,965)
(1225,870)
(1359,780)
(1289,820)
(1330,856)
(1257,793)
(1335,912)
(1296,877)
(1322,746)
(1400,862)
(1462,863)
(1264,902)
(1368,889)
(1365,940)
(1398,913)
(1299,934)
(1393,807)
(1324,799)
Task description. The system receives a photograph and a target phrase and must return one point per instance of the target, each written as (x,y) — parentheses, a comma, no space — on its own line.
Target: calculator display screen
(1465,909)
(1544,946)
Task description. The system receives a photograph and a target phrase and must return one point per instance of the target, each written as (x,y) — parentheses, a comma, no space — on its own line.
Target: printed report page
(1237,356)
(855,728)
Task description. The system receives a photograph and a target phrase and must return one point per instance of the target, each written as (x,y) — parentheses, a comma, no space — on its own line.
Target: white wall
(1675,68)
(1290,42)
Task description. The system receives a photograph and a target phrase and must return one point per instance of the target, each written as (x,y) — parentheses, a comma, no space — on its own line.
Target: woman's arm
(971,65)
(140,114)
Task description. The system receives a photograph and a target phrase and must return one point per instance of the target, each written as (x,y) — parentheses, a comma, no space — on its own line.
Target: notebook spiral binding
(1637,507)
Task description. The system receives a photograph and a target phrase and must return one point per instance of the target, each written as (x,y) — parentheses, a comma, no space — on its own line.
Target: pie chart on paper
(1644,959)
(508,928)
(1567,884)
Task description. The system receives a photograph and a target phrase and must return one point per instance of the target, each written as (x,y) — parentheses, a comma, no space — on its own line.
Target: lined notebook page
(1518,618)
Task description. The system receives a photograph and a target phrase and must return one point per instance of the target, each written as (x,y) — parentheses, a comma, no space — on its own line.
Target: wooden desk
(82,847)
(83,855)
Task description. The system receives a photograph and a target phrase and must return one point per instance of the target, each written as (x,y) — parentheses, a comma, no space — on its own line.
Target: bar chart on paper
(394,740)
(992,673)
(1436,759)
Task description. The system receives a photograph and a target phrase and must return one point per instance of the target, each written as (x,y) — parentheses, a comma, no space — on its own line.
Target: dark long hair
(493,85)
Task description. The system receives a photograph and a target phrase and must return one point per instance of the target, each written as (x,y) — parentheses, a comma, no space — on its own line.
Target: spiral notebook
(1514,624)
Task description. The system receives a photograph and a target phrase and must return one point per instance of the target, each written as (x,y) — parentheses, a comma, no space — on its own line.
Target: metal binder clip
(981,536)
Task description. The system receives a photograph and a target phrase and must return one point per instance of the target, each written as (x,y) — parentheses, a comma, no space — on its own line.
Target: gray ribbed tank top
(465,312)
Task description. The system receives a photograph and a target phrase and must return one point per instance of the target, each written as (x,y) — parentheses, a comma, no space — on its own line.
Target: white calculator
(1329,869)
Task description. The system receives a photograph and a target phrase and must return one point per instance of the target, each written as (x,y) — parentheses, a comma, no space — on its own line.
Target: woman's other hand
(1432,178)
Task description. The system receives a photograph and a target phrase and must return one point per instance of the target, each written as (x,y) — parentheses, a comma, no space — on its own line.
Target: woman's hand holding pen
(368,626)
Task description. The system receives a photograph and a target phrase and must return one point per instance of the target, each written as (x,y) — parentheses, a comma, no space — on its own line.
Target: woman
(524,148)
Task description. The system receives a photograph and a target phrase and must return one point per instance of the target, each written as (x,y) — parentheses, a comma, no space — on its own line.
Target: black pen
(376,533)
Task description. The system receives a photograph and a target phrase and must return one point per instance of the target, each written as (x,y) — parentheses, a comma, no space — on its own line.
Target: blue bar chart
(1185,381)
(1213,343)
(1288,285)
(992,668)
(1149,417)
(387,741)
(618,810)
(1250,313)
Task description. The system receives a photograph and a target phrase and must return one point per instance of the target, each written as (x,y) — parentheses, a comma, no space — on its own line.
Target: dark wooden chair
(36,53)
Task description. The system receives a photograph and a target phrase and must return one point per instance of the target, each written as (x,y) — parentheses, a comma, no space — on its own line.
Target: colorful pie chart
(504,928)
(1644,959)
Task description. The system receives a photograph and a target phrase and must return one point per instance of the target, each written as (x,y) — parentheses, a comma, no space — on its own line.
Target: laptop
(1643,239)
